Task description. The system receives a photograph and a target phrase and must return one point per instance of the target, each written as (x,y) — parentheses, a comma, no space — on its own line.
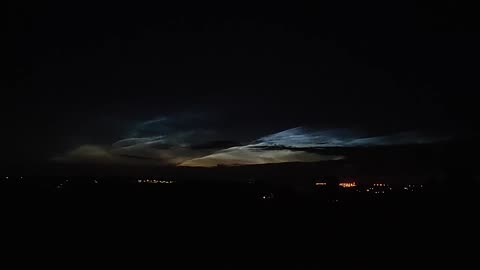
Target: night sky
(201,84)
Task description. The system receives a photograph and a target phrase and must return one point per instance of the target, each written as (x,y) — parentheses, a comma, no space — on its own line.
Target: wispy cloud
(247,155)
(172,141)
(307,137)
(100,154)
(302,145)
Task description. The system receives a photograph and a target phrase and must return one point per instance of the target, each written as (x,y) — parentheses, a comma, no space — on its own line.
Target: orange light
(347,184)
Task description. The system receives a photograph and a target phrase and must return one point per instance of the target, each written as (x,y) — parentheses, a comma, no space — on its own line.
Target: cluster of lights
(411,187)
(7,178)
(62,184)
(377,188)
(155,181)
(347,184)
(375,191)
(268,196)
(380,185)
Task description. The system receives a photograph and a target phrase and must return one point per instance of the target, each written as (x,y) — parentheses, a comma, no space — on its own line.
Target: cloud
(162,141)
(184,141)
(306,137)
(180,129)
(135,141)
(303,145)
(215,145)
(87,153)
(99,154)
(247,155)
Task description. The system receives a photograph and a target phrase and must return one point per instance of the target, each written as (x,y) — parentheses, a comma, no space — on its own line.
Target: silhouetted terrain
(242,222)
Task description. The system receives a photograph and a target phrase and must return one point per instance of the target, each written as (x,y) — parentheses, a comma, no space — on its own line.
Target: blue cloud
(306,137)
(185,140)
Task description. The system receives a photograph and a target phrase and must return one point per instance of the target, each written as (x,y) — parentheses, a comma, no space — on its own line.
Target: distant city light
(268,196)
(380,185)
(320,184)
(155,181)
(347,184)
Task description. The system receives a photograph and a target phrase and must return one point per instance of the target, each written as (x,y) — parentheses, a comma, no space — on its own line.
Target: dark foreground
(238,228)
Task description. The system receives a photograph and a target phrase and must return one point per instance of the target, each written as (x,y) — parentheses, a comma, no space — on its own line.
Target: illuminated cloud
(135,141)
(99,154)
(306,137)
(162,141)
(247,155)
(87,153)
(302,145)
(184,141)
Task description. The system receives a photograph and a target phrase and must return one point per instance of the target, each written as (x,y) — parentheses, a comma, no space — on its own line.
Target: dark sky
(90,74)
